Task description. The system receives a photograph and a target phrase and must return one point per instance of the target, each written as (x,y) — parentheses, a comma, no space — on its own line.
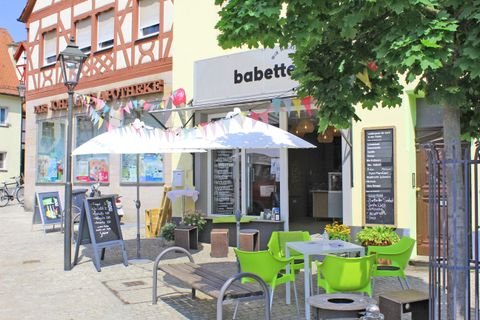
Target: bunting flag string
(111,115)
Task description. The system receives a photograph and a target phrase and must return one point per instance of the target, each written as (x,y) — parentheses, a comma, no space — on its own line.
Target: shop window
(3,161)
(3,116)
(94,167)
(263,180)
(151,164)
(105,29)
(149,17)
(50,48)
(51,151)
(151,168)
(84,35)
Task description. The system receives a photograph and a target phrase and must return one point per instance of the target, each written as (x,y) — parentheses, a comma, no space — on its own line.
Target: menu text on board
(379,176)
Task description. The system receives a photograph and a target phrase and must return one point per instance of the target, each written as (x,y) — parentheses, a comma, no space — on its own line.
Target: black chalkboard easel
(99,216)
(48,209)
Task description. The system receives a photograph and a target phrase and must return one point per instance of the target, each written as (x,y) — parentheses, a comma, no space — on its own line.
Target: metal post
(68,189)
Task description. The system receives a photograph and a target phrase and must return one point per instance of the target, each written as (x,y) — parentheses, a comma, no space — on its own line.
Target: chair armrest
(283,259)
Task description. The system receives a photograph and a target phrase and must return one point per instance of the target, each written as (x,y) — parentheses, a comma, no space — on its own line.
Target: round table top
(341,301)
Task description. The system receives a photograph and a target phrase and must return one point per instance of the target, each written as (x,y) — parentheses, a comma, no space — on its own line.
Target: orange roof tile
(8,75)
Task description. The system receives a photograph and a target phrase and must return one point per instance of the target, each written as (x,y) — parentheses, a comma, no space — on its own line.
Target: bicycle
(16,193)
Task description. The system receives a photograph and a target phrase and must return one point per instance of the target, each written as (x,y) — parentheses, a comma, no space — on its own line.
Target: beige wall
(10,136)
(194,38)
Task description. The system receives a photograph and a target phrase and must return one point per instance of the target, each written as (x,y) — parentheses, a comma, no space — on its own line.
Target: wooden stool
(396,303)
(186,238)
(219,243)
(249,240)
(340,305)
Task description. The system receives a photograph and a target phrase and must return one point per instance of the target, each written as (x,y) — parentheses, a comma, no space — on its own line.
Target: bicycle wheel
(4,198)
(20,194)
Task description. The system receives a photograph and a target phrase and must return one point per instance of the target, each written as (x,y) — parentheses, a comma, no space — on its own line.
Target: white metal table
(315,248)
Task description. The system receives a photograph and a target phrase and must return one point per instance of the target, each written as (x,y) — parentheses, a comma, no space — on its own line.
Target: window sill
(103,50)
(147,38)
(47,66)
(142,183)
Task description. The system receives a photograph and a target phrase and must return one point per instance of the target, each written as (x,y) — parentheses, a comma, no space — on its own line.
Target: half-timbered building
(127,72)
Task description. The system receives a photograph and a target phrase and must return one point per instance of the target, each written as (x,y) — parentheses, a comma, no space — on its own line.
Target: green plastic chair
(276,246)
(341,274)
(267,267)
(398,254)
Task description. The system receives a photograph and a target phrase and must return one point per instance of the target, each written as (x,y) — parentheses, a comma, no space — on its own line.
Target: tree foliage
(433,43)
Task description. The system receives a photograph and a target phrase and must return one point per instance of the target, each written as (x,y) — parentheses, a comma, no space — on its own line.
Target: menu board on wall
(223,182)
(379,179)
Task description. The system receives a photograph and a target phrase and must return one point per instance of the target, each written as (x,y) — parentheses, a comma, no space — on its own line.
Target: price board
(379,176)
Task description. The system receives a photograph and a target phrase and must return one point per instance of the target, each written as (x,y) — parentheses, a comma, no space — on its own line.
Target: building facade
(161,44)
(10,111)
(127,72)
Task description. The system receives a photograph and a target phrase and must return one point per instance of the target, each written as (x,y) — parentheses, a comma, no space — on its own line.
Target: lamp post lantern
(71,60)
(21,90)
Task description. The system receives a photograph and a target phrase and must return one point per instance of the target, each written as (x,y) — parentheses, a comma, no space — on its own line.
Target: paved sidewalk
(33,284)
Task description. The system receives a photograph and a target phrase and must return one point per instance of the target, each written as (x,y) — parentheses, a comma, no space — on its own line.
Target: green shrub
(377,236)
(168,231)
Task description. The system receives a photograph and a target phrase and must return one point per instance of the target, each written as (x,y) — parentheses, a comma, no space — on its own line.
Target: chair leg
(296,297)
(271,298)
(406,283)
(235,310)
(401,283)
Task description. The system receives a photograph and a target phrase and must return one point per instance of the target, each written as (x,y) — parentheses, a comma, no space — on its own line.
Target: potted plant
(168,233)
(194,219)
(337,230)
(377,236)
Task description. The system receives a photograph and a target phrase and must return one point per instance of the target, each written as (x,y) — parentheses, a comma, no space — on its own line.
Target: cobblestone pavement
(33,284)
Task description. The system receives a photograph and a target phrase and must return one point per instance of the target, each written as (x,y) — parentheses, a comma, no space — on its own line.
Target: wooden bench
(210,283)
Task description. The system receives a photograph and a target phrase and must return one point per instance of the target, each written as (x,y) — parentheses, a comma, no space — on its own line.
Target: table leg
(307,285)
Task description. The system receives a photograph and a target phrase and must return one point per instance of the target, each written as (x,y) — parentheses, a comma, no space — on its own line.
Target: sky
(9,13)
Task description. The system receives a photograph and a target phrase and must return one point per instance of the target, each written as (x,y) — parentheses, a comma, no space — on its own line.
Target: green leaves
(434,42)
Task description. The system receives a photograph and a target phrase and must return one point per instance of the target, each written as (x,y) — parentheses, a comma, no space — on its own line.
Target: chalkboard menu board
(223,182)
(379,179)
(47,205)
(101,218)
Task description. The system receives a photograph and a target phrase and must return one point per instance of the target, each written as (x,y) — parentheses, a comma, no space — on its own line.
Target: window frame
(57,146)
(51,59)
(3,161)
(110,42)
(142,28)
(4,123)
(84,49)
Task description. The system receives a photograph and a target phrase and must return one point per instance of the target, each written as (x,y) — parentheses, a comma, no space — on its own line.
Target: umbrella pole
(138,260)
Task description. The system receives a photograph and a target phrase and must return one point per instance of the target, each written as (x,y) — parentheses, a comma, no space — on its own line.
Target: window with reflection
(51,151)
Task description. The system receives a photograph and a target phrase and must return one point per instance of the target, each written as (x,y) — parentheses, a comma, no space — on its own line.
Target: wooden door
(422,188)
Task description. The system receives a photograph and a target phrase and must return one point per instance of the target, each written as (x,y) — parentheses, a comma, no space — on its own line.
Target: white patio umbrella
(135,138)
(236,131)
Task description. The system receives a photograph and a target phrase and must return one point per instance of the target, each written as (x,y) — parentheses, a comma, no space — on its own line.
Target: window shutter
(84,33)
(149,13)
(105,26)
(50,45)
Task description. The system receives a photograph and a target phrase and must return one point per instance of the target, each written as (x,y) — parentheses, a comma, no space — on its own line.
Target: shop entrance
(315,181)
